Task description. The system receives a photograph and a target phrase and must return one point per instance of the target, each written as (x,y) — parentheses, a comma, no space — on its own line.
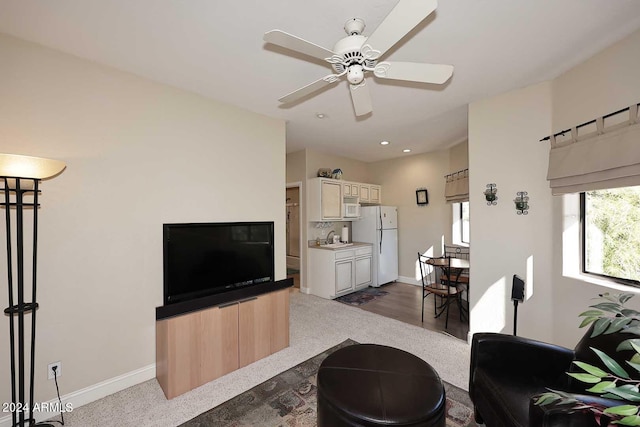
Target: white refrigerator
(379,225)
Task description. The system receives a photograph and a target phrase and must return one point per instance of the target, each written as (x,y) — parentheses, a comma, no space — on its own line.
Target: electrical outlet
(58,366)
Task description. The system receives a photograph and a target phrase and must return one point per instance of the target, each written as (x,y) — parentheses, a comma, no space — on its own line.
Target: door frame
(303,257)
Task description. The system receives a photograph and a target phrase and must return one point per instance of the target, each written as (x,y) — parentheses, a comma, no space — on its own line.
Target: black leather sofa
(507,372)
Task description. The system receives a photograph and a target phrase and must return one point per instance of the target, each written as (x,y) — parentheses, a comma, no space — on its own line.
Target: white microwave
(351,210)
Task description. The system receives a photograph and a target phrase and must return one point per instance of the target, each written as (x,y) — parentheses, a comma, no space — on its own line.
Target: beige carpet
(316,324)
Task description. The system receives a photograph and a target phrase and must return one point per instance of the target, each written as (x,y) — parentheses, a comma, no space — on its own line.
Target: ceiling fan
(356,55)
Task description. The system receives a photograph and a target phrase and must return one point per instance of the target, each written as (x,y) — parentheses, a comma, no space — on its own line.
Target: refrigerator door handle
(380,240)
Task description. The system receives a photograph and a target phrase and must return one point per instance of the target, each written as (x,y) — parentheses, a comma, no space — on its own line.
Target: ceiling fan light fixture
(355,75)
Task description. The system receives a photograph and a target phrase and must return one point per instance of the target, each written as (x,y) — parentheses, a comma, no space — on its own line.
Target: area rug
(362,297)
(289,400)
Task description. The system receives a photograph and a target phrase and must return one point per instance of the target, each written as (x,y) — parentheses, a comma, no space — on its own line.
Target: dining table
(459,263)
(448,264)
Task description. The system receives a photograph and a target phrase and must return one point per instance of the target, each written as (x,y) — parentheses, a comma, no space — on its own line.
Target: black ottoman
(376,385)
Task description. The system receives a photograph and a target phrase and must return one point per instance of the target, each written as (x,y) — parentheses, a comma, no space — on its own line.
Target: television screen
(203,259)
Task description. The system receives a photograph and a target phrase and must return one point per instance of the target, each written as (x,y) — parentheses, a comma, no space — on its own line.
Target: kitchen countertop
(312,245)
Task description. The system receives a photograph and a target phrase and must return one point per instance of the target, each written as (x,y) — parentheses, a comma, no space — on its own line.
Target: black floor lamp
(20,178)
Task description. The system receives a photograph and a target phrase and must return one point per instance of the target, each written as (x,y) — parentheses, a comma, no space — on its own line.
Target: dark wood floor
(404,303)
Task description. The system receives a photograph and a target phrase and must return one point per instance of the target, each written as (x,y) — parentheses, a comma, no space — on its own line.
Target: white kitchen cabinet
(350,189)
(375,194)
(324,199)
(337,272)
(365,196)
(344,277)
(362,272)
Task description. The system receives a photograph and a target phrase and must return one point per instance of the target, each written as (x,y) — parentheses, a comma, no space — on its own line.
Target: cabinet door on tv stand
(196,348)
(263,326)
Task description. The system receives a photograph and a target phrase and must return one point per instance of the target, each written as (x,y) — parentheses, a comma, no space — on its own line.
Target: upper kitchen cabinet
(370,193)
(324,198)
(350,189)
(375,194)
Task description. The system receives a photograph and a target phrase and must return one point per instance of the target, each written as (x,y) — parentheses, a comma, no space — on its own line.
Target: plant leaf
(600,326)
(611,364)
(631,420)
(585,378)
(591,313)
(601,386)
(611,307)
(611,396)
(617,325)
(628,344)
(632,330)
(627,392)
(587,320)
(547,398)
(630,312)
(593,370)
(622,410)
(624,297)
(634,365)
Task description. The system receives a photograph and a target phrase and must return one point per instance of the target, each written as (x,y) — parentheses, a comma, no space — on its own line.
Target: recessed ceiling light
(406,150)
(384,143)
(320,115)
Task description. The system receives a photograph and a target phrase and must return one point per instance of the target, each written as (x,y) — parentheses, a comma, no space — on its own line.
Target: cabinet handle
(247,300)
(229,304)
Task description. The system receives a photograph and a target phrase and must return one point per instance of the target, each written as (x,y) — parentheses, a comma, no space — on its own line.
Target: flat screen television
(202,259)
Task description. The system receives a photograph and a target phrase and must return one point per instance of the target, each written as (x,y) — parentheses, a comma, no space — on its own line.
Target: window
(464,222)
(611,233)
(460,228)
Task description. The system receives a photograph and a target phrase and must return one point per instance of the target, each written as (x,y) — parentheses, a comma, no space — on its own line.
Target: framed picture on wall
(422,197)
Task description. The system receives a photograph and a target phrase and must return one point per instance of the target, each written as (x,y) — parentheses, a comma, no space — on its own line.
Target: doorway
(293,233)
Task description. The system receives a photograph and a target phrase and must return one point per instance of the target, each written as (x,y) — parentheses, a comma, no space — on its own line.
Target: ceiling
(215,48)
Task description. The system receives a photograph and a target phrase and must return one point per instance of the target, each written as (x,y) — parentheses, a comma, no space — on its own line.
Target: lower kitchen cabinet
(337,272)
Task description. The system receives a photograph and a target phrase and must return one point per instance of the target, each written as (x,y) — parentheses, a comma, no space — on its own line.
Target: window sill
(610,284)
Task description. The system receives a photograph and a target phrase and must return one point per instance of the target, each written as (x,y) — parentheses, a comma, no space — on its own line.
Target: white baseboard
(90,394)
(409,280)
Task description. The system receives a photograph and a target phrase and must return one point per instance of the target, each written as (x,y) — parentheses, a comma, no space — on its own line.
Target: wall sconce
(522,203)
(490,194)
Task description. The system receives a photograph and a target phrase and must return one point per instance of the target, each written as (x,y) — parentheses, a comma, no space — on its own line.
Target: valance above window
(456,189)
(608,157)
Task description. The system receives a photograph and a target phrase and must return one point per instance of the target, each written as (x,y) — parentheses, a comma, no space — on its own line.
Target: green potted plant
(616,381)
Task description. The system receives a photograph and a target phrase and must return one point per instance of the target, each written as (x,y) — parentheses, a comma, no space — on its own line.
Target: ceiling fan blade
(309,89)
(414,72)
(361,98)
(297,44)
(402,19)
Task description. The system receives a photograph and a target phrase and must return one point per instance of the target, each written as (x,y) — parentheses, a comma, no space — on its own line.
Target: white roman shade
(456,189)
(608,157)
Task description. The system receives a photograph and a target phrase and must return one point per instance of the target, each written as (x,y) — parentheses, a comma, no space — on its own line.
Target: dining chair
(461,252)
(431,285)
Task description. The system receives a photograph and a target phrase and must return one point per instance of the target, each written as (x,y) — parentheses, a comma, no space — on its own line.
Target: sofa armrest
(512,355)
(554,415)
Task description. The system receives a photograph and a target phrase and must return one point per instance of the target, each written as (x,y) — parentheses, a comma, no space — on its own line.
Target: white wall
(420,228)
(607,82)
(138,154)
(504,149)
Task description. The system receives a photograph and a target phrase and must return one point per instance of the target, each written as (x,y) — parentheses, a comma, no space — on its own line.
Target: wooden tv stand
(197,347)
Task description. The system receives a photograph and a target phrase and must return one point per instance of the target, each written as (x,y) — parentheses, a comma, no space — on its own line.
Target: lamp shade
(17,166)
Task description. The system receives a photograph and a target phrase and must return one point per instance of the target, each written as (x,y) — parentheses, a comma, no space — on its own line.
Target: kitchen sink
(336,245)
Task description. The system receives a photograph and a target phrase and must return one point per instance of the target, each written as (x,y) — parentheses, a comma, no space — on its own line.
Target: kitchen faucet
(327,241)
